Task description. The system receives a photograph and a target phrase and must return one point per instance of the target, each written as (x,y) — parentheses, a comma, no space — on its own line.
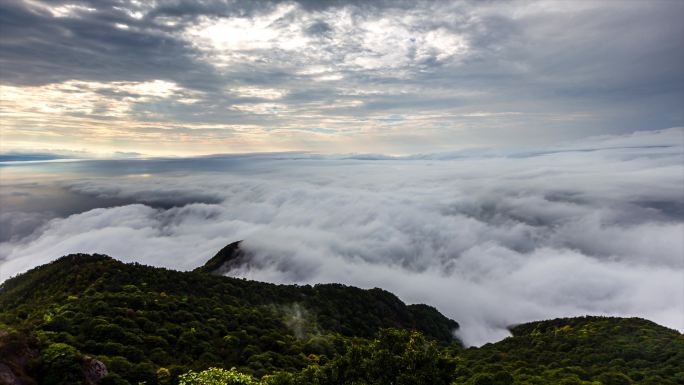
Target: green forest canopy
(158,326)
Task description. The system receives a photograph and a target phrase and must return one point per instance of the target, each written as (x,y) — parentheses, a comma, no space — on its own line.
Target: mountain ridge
(92,319)
(13,287)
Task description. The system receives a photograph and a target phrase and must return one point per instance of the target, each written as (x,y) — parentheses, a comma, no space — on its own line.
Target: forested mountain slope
(93,319)
(140,318)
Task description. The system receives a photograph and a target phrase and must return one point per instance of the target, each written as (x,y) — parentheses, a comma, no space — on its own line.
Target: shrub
(216,376)
(60,364)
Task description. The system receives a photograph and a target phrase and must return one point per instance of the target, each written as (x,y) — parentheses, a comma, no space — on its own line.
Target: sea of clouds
(490,238)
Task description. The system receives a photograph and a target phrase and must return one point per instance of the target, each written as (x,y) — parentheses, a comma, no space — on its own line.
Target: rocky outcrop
(93,370)
(227,259)
(7,376)
(16,350)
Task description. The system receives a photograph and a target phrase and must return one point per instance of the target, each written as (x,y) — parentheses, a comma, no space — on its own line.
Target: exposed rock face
(7,377)
(93,370)
(16,350)
(227,259)
(24,355)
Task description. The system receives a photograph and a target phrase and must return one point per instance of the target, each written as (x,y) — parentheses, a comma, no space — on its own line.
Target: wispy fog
(489,238)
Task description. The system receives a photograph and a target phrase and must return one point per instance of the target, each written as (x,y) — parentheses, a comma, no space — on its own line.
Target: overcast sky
(186,77)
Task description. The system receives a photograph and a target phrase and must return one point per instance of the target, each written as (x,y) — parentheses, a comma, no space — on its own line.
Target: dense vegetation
(583,350)
(139,319)
(61,322)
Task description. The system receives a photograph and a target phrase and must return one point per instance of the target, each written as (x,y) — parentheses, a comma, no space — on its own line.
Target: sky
(178,78)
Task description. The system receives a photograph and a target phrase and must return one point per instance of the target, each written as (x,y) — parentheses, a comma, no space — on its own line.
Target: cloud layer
(178,77)
(490,238)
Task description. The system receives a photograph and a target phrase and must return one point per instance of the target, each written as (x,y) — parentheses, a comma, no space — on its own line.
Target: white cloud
(351,41)
(257,92)
(113,99)
(225,38)
(261,108)
(66,10)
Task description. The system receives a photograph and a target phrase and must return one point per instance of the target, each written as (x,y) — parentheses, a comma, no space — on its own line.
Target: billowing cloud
(491,238)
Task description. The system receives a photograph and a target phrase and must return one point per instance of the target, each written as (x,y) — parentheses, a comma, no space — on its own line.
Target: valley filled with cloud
(489,237)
